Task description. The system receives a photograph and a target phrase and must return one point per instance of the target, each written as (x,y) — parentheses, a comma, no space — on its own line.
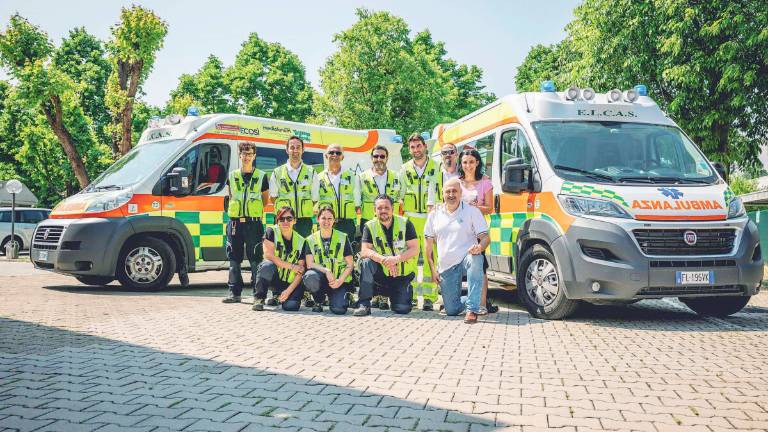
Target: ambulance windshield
(134,166)
(615,152)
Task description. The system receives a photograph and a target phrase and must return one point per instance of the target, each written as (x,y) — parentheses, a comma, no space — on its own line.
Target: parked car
(26,221)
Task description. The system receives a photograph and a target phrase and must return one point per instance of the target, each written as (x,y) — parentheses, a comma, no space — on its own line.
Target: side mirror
(720,168)
(517,176)
(178,182)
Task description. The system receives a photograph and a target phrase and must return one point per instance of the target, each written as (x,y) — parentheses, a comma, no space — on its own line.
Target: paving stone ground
(81,359)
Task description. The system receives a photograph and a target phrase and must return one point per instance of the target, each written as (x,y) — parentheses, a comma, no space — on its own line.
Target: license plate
(695,278)
(42,255)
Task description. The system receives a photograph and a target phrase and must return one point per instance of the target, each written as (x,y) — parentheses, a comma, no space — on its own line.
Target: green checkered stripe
(570,188)
(207,228)
(503,229)
(728,195)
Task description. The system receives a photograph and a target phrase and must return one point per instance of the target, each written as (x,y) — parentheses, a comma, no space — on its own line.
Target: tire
(546,299)
(146,264)
(7,240)
(719,306)
(95,280)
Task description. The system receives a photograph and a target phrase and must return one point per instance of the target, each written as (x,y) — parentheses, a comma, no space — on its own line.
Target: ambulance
(603,198)
(159,210)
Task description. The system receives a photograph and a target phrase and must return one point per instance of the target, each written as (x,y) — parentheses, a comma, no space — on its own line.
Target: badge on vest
(399,244)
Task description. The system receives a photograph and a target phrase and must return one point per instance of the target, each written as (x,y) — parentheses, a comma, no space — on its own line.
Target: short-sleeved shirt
(327,247)
(455,232)
(410,233)
(269,234)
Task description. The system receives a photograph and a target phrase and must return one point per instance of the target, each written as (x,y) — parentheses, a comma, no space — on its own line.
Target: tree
(133,46)
(25,51)
(546,63)
(207,89)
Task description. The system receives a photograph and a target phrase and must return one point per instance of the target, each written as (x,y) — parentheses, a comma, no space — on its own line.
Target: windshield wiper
(585,172)
(107,187)
(650,179)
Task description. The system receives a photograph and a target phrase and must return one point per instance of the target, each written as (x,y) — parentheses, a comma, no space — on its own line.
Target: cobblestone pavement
(79,358)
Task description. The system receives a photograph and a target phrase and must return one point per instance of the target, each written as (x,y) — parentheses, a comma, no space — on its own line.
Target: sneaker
(309,303)
(375,303)
(231,299)
(272,302)
(470,318)
(492,308)
(317,308)
(384,304)
(482,311)
(427,305)
(362,311)
(258,305)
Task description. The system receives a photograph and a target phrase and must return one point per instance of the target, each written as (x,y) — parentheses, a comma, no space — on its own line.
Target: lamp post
(12,248)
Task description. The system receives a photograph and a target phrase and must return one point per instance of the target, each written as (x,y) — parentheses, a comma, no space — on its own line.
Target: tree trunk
(129,76)
(53,113)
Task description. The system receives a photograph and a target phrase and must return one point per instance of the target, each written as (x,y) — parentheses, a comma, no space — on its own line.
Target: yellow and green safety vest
(297,246)
(245,200)
(398,246)
(343,202)
(298,194)
(415,188)
(370,190)
(334,259)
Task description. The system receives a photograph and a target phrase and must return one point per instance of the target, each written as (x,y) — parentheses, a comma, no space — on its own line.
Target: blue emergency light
(548,86)
(192,111)
(641,90)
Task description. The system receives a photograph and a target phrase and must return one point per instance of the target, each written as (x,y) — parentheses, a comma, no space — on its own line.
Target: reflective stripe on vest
(334,260)
(245,200)
(343,203)
(398,246)
(297,245)
(370,190)
(297,195)
(417,188)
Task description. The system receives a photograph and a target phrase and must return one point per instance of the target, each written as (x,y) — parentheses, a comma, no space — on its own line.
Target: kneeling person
(329,264)
(389,248)
(283,265)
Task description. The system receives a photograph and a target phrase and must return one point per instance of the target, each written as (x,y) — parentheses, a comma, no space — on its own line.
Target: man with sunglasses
(291,185)
(248,193)
(448,170)
(338,190)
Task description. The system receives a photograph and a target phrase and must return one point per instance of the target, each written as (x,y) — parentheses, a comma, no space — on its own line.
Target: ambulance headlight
(736,208)
(582,206)
(588,93)
(109,201)
(631,95)
(613,95)
(572,93)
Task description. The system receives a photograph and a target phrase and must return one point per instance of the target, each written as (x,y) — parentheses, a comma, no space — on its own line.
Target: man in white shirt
(461,233)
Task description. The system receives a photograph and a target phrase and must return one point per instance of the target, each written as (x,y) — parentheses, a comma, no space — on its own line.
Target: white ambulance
(602,197)
(159,209)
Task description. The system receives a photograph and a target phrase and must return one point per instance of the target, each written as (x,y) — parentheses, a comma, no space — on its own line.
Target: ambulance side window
(514,145)
(189,162)
(213,169)
(484,146)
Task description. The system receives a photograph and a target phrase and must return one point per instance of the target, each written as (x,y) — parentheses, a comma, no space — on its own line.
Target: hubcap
(541,282)
(143,265)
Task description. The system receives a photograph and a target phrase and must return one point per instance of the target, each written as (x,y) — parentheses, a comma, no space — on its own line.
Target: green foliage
(741,185)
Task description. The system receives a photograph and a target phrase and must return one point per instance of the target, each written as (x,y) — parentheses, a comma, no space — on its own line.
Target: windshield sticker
(571,188)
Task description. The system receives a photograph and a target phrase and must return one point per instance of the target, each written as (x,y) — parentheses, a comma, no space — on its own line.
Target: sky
(494,35)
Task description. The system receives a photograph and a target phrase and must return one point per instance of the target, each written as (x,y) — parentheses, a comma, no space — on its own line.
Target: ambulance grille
(692,290)
(670,242)
(47,237)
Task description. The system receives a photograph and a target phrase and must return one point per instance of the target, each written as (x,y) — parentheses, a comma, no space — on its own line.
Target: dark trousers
(243,238)
(303,226)
(317,284)
(374,281)
(267,278)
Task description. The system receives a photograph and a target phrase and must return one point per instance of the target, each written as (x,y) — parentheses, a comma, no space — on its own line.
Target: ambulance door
(202,211)
(512,209)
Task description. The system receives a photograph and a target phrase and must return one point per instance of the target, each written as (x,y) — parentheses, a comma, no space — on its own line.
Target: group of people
(428,209)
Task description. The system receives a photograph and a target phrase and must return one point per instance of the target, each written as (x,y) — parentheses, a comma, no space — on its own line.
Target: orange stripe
(370,141)
(479,131)
(526,203)
(680,218)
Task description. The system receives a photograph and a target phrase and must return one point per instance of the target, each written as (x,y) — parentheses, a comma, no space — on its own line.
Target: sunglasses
(286,219)
(378,156)
(334,153)
(448,152)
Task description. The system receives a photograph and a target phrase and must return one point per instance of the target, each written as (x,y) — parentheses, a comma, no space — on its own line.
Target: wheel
(539,287)
(7,240)
(95,280)
(719,306)
(146,264)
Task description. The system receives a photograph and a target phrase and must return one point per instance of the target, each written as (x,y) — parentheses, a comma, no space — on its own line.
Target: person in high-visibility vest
(291,185)
(448,170)
(283,265)
(338,189)
(329,264)
(248,193)
(388,259)
(416,177)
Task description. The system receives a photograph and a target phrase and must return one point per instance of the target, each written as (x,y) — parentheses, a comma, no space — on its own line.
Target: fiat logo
(45,234)
(689,237)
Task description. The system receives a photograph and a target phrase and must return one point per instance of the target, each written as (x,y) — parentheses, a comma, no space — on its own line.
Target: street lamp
(12,248)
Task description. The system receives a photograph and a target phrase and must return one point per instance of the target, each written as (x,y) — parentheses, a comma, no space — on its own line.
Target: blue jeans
(450,285)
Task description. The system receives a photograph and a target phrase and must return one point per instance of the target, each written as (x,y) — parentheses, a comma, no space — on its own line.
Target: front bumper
(87,247)
(628,274)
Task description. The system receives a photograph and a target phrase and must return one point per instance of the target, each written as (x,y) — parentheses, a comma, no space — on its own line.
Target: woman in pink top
(476,190)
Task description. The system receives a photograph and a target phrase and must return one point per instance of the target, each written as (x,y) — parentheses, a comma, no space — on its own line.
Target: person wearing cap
(248,193)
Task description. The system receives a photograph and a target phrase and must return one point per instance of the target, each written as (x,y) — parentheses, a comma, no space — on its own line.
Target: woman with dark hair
(477,190)
(329,264)
(283,265)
